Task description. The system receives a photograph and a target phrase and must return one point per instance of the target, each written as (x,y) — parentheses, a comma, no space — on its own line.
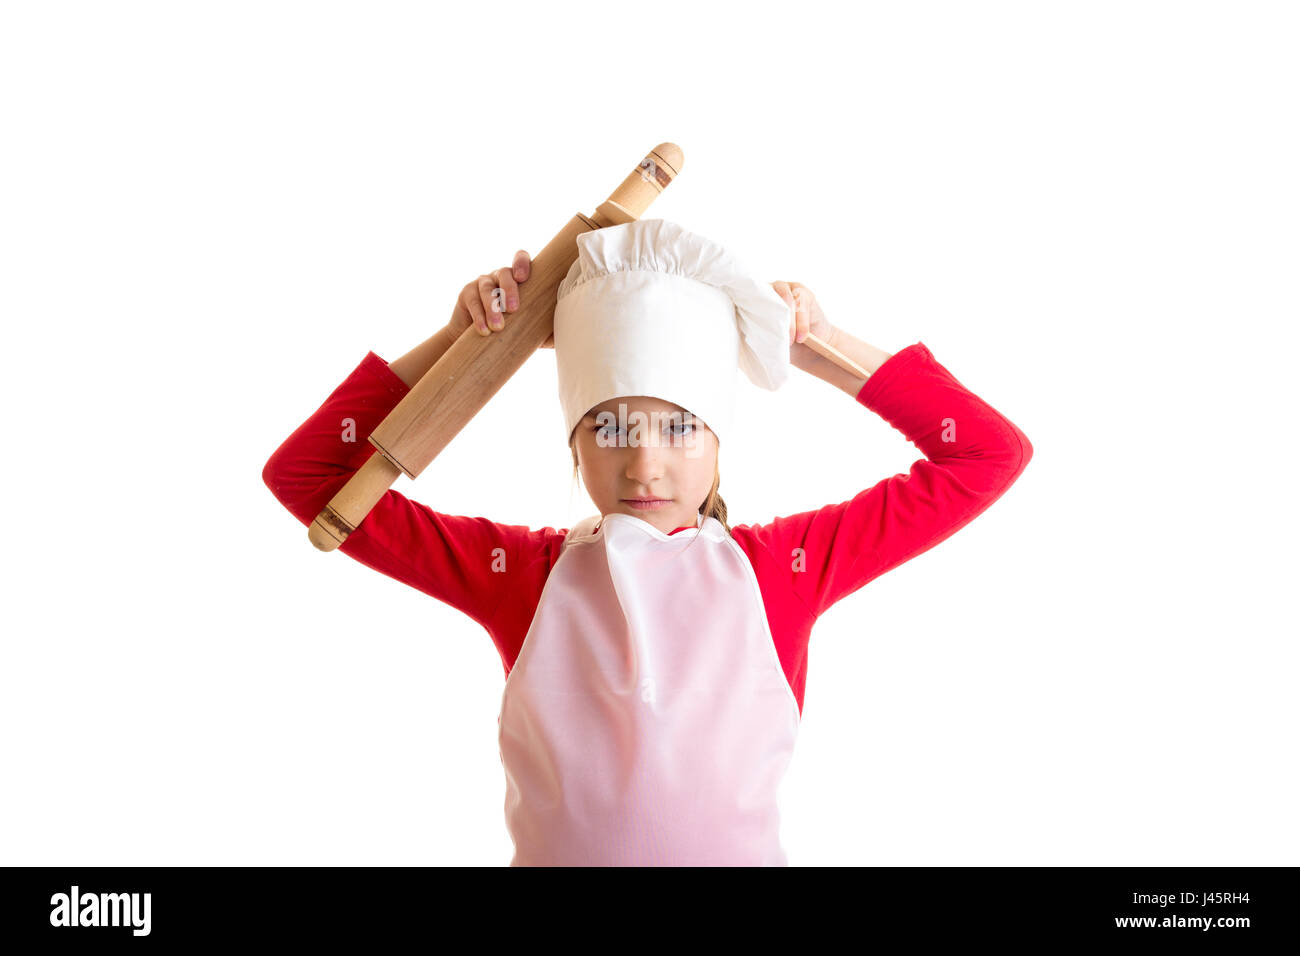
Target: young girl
(654,655)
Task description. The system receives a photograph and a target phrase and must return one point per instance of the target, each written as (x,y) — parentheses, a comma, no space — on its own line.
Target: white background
(1088,211)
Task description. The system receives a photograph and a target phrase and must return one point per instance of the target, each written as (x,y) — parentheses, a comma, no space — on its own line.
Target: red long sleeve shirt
(972,456)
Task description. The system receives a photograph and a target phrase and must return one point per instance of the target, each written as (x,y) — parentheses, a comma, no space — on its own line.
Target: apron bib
(647,720)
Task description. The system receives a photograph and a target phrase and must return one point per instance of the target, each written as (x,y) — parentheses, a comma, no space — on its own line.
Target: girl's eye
(610,431)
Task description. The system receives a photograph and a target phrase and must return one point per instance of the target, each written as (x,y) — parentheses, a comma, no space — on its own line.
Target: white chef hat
(649,308)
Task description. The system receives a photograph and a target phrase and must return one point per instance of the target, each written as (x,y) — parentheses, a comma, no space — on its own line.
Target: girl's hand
(808,316)
(485,301)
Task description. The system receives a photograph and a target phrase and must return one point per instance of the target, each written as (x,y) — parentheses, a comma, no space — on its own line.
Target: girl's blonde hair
(713,507)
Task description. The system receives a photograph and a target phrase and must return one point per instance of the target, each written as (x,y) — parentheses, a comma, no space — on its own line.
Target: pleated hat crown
(650,308)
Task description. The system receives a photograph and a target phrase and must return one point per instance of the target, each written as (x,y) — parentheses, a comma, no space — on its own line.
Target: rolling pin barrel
(469,373)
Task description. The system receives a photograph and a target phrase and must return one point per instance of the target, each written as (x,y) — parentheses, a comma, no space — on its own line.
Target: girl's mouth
(647,504)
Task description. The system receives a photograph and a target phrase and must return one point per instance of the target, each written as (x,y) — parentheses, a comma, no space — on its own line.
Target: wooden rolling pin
(476,366)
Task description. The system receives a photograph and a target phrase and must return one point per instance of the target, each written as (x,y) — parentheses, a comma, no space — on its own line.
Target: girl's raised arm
(470,563)
(466,562)
(973,454)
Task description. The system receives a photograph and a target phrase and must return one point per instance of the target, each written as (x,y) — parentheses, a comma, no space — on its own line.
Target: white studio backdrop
(1087,211)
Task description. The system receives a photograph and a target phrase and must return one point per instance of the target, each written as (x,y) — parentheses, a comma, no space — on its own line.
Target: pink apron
(647,720)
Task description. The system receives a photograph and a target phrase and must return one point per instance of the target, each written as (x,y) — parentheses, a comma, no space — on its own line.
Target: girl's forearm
(410,368)
(868,356)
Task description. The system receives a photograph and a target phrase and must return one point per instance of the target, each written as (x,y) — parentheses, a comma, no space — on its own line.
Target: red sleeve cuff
(880,380)
(378,368)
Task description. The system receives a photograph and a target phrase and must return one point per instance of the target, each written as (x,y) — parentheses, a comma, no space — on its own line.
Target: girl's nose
(645,463)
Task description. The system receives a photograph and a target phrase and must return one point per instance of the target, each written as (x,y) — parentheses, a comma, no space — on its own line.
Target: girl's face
(637,446)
